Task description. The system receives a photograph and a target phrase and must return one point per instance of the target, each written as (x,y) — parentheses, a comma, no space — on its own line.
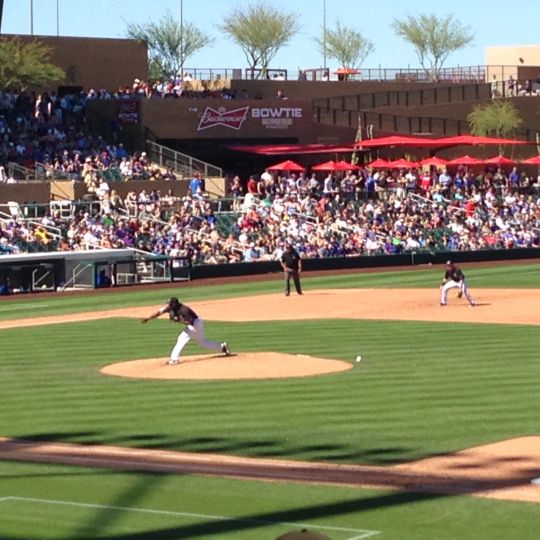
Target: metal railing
(409,125)
(454,74)
(19,172)
(180,163)
(77,271)
(36,282)
(407,97)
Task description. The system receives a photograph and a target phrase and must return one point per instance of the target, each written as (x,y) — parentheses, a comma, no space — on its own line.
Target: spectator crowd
(365,213)
(356,213)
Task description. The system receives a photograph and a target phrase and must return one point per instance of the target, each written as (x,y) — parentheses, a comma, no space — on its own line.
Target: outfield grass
(422,389)
(58,502)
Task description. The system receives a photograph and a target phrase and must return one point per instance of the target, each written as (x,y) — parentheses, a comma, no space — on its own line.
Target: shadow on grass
(219,445)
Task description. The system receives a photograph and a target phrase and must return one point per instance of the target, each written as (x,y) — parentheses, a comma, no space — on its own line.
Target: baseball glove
(460,294)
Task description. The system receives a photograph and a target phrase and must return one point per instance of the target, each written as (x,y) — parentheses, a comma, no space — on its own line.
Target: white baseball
(358,358)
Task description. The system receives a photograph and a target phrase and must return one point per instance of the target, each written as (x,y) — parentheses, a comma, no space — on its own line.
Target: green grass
(422,389)
(79,503)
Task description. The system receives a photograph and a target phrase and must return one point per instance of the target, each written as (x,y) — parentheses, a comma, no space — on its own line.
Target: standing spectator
(196,187)
(236,190)
(510,87)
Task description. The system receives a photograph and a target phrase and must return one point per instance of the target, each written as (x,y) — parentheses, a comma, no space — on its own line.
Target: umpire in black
(291,262)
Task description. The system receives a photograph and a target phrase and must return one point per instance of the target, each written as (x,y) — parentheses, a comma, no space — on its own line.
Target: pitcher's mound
(260,365)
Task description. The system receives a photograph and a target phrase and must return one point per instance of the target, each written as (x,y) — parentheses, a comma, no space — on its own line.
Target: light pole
(182,39)
(57,17)
(324,34)
(31,17)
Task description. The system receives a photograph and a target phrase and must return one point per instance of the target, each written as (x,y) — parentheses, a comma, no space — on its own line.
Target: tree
(24,65)
(499,118)
(433,38)
(349,47)
(260,31)
(169,44)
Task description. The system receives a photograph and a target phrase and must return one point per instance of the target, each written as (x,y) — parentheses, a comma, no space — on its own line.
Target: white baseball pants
(195,330)
(461,285)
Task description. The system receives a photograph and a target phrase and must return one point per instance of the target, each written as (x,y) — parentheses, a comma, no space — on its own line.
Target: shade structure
(402,164)
(532,161)
(466,160)
(333,166)
(398,140)
(287,165)
(288,149)
(500,161)
(477,139)
(411,141)
(434,161)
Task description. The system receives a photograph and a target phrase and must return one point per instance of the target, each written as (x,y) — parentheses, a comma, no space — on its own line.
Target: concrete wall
(95,62)
(44,192)
(310,90)
(25,192)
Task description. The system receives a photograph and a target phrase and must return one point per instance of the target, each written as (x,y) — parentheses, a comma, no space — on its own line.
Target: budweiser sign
(222,117)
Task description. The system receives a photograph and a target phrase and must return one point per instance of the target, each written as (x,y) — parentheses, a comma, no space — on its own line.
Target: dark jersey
(182,314)
(455,274)
(291,259)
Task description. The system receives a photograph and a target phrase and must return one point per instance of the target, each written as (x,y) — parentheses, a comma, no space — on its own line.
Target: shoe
(225,349)
(287,294)
(443,304)
(173,362)
(472,304)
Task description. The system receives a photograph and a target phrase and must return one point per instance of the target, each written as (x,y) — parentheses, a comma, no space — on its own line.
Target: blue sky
(494,22)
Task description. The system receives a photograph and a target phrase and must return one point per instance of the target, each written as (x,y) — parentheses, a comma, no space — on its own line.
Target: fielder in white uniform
(454,278)
(183,314)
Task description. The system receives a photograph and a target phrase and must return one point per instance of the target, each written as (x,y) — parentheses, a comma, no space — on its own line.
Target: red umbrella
(347,71)
(379,163)
(346,166)
(287,165)
(532,161)
(499,160)
(327,166)
(435,161)
(402,164)
(465,160)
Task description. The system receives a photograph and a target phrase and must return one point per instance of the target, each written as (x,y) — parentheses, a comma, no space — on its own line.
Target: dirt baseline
(495,306)
(502,470)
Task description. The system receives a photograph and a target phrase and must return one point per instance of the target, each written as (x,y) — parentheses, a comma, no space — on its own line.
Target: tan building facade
(519,61)
(95,62)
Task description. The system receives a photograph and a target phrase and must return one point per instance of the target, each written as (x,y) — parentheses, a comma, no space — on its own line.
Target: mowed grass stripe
(421,388)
